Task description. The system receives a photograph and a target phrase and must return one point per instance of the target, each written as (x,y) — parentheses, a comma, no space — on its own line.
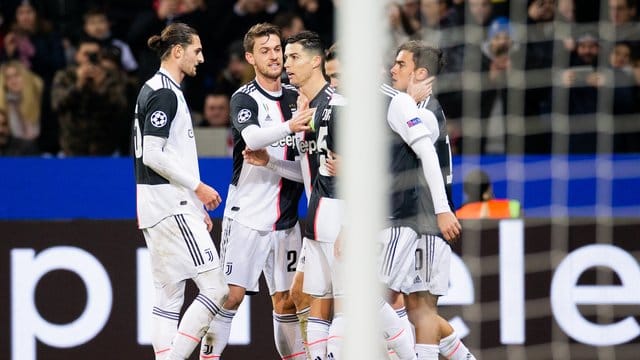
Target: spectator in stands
(289,23)
(21,100)
(401,25)
(97,26)
(5,134)
(582,81)
(481,202)
(236,72)
(245,14)
(625,99)
(622,15)
(32,41)
(540,45)
(146,24)
(480,13)
(215,110)
(88,99)
(110,59)
(441,27)
(497,51)
(317,16)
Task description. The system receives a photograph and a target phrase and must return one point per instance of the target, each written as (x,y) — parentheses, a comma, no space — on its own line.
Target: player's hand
(333,163)
(207,220)
(258,157)
(301,120)
(208,195)
(449,226)
(302,102)
(420,89)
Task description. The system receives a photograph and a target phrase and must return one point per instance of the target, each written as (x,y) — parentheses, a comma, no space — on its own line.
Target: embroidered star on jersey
(159,119)
(244,115)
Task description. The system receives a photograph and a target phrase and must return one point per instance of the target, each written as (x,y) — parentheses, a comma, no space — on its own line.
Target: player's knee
(213,285)
(218,294)
(300,299)
(283,303)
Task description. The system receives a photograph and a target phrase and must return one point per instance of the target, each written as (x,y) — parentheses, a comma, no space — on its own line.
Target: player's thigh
(280,266)
(319,269)
(432,266)
(397,257)
(180,248)
(328,217)
(245,252)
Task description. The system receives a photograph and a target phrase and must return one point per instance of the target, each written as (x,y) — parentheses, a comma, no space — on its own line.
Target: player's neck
(174,71)
(311,88)
(268,84)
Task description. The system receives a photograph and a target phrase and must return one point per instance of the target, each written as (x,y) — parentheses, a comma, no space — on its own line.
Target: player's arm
(429,119)
(161,110)
(244,117)
(288,169)
(403,119)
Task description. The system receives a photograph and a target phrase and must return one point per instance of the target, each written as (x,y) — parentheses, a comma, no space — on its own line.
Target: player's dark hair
(331,53)
(259,30)
(424,56)
(174,34)
(309,40)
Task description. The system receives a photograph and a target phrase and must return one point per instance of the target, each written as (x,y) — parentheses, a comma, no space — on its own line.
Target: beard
(268,72)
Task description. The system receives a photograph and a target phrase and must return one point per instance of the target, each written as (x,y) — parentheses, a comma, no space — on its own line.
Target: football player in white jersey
(171,199)
(434,334)
(260,226)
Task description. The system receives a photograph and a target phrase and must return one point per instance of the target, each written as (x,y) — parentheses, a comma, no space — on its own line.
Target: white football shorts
(180,247)
(432,266)
(397,258)
(321,277)
(247,252)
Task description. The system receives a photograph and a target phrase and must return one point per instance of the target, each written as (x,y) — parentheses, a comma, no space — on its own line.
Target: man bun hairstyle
(173,34)
(424,56)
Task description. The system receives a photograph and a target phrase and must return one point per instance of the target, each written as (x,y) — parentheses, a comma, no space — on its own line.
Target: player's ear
(317,61)
(249,57)
(177,51)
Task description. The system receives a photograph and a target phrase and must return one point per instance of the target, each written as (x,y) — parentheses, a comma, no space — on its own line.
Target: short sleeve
(244,111)
(431,122)
(403,118)
(162,107)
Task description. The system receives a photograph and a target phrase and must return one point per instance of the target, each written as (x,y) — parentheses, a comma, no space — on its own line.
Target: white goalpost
(363,184)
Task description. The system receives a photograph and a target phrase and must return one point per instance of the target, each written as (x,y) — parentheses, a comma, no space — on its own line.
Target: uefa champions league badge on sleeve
(158,119)
(244,115)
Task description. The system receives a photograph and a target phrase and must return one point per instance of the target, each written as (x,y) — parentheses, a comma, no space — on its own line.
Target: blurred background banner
(104,188)
(522,289)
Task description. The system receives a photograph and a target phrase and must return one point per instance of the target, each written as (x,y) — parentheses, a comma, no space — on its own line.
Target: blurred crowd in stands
(536,76)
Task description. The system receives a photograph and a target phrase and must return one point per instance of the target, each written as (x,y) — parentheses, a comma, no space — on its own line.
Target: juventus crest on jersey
(162,111)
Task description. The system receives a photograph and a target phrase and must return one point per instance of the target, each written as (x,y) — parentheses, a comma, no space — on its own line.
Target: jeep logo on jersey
(288,141)
(244,115)
(158,119)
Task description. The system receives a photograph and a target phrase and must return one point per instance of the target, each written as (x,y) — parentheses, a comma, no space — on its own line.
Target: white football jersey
(259,198)
(162,111)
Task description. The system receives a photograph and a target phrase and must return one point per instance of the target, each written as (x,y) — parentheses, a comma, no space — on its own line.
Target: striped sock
(317,334)
(217,337)
(287,336)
